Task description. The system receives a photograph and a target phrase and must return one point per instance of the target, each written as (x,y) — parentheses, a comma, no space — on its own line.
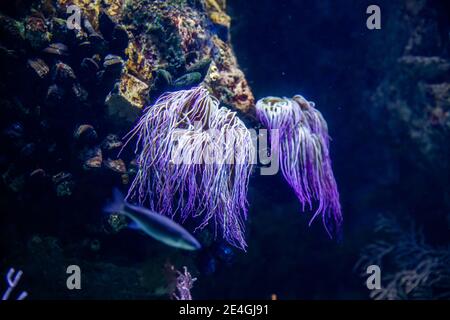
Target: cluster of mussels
(72,86)
(54,81)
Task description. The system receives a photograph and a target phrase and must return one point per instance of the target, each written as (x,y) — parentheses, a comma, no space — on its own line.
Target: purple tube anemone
(304,154)
(194,162)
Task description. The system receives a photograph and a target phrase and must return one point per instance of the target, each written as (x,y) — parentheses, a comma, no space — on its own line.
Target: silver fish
(155,225)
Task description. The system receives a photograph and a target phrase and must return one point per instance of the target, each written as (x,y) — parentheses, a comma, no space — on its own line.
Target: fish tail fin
(117,203)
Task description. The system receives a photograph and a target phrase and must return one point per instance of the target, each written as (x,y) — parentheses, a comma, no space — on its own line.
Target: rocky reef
(416,91)
(75,76)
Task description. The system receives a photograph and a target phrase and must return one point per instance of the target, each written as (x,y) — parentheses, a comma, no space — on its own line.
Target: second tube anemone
(194,160)
(304,154)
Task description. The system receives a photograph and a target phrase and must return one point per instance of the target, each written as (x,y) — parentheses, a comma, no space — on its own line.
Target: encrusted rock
(92,158)
(116,165)
(117,222)
(188,80)
(124,102)
(85,133)
(64,184)
(55,95)
(36,31)
(111,144)
(39,67)
(57,49)
(227,81)
(89,67)
(63,74)
(426,68)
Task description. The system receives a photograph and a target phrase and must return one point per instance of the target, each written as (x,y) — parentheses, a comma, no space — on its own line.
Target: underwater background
(66,100)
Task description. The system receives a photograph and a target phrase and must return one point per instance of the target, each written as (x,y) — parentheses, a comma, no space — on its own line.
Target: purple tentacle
(304,155)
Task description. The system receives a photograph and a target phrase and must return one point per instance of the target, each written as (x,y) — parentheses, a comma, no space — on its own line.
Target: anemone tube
(304,155)
(194,161)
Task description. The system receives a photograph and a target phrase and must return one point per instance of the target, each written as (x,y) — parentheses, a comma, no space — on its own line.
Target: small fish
(155,225)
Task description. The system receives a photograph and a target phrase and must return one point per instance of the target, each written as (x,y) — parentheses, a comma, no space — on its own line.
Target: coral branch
(184,284)
(12,281)
(418,269)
